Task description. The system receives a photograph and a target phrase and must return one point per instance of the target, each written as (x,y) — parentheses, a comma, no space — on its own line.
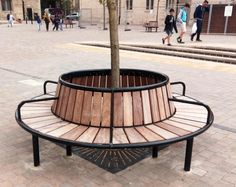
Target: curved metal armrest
(182,84)
(18,112)
(210,115)
(45,85)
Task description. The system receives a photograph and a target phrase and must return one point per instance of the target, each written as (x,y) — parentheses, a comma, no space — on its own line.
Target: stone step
(184,52)
(195,50)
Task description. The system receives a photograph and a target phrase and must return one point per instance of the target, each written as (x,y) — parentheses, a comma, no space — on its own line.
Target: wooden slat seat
(38,116)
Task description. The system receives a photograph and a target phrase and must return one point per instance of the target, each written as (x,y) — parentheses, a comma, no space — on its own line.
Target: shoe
(169,44)
(192,36)
(179,40)
(163,40)
(198,40)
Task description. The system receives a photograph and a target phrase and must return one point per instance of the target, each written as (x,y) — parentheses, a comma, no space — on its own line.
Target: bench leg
(35,141)
(188,154)
(154,151)
(68,150)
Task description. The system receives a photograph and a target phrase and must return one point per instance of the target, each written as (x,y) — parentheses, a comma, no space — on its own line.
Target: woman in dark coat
(170,24)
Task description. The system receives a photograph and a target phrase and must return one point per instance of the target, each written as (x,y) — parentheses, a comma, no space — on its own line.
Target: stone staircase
(208,53)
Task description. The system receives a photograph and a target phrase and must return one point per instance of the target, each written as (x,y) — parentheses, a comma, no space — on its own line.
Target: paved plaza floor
(29,57)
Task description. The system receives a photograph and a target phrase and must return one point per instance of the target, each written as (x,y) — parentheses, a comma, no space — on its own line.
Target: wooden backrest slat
(71,105)
(89,81)
(65,98)
(54,106)
(109,81)
(146,107)
(131,81)
(121,78)
(103,81)
(128,109)
(106,109)
(154,105)
(118,109)
(137,81)
(96,109)
(83,80)
(172,107)
(78,106)
(161,103)
(86,112)
(125,82)
(166,101)
(96,81)
(59,103)
(137,108)
(143,81)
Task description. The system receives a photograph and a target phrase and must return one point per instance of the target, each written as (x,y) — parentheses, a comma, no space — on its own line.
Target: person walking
(46,18)
(199,16)
(182,19)
(10,19)
(170,24)
(61,23)
(38,20)
(56,22)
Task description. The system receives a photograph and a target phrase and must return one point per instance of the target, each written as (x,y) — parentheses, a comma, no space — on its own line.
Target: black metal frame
(154,144)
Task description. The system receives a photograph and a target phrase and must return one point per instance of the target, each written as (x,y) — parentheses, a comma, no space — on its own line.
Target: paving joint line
(229,129)
(20,73)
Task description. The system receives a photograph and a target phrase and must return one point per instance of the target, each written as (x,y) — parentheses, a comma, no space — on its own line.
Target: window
(149,4)
(169,4)
(129,4)
(6,5)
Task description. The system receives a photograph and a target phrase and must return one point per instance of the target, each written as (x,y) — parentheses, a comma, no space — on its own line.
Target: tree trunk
(114,43)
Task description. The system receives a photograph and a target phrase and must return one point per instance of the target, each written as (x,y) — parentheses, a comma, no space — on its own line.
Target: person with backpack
(170,24)
(182,19)
(198,16)
(38,20)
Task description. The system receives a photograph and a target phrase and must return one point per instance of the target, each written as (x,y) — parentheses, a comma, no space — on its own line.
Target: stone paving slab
(30,55)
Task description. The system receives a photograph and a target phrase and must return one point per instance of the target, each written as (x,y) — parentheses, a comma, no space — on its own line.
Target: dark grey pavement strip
(233,130)
(21,73)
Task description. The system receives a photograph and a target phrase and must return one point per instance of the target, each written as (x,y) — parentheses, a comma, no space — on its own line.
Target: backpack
(8,16)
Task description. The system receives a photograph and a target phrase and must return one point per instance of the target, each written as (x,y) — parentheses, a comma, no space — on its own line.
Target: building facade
(19,8)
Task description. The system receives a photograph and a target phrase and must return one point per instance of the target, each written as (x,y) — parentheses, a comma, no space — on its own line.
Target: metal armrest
(182,84)
(45,85)
(210,116)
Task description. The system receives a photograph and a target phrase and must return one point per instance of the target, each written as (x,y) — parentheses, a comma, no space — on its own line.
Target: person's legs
(168,40)
(183,31)
(199,29)
(47,26)
(57,26)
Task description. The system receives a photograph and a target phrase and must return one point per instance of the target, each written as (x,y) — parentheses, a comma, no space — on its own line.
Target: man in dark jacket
(199,16)
(170,24)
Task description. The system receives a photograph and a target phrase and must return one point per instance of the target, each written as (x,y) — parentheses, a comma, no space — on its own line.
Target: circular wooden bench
(86,111)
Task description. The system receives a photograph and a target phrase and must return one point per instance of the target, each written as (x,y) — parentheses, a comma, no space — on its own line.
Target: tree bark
(114,43)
